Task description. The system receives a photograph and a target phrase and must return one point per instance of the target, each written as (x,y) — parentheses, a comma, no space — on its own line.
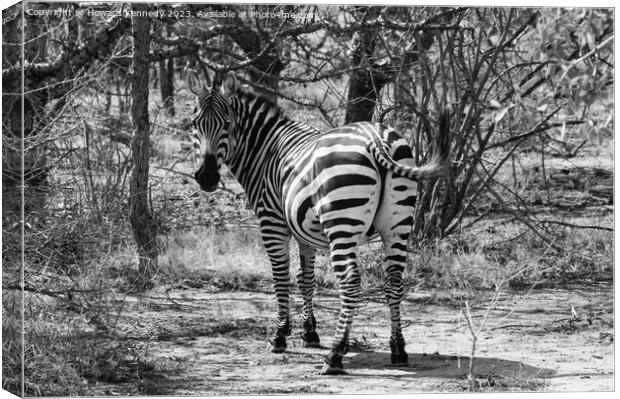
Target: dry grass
(495,251)
(11,342)
(66,352)
(504,383)
(222,259)
(72,341)
(480,258)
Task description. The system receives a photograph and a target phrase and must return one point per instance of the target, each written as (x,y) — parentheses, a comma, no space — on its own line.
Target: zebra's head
(213,122)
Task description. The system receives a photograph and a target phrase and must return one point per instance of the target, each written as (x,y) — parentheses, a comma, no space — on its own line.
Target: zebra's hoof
(329,370)
(311,339)
(278,349)
(400,360)
(278,344)
(333,364)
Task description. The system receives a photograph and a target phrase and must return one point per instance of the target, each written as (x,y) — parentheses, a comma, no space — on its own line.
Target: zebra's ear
(194,83)
(230,84)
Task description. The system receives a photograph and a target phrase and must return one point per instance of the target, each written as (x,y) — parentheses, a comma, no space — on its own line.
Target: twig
(577,225)
(538,129)
(544,169)
(588,54)
(477,219)
(169,169)
(43,291)
(523,219)
(470,373)
(513,326)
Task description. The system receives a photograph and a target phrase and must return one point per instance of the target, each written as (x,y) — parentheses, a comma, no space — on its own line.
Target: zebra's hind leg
(348,276)
(306,282)
(395,261)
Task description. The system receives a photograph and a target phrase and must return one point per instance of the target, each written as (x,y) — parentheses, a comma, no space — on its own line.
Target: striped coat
(333,190)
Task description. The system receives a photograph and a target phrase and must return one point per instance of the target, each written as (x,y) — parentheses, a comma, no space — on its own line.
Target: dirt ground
(214,343)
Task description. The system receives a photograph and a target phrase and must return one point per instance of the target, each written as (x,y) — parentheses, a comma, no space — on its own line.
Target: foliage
(577,47)
(510,76)
(489,69)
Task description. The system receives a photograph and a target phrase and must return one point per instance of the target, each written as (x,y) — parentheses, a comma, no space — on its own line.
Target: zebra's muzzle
(208,189)
(208,176)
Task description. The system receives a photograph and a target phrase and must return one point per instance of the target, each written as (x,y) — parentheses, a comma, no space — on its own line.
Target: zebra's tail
(439,164)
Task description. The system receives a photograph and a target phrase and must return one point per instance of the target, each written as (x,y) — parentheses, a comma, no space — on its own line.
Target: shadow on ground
(440,366)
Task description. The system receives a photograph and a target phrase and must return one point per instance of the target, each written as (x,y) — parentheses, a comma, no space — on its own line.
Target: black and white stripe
(333,190)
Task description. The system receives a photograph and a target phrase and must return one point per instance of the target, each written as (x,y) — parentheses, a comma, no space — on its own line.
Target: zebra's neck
(263,138)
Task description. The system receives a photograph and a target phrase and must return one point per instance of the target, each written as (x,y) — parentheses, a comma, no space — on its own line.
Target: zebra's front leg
(348,276)
(277,247)
(306,282)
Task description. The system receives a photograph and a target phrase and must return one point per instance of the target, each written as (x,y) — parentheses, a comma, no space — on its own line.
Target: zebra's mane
(208,99)
(261,101)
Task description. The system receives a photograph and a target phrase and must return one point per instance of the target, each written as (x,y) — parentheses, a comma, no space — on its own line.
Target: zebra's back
(338,184)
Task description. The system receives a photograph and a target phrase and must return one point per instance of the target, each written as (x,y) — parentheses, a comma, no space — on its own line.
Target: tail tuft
(439,164)
(443,136)
(441,148)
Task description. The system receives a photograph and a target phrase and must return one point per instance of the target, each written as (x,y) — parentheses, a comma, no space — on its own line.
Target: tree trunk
(363,95)
(371,75)
(142,223)
(166,84)
(365,84)
(270,67)
(166,81)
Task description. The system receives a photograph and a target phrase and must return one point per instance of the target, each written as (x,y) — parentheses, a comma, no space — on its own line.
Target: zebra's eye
(226,125)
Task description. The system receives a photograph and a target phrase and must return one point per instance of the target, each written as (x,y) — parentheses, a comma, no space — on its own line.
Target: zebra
(333,190)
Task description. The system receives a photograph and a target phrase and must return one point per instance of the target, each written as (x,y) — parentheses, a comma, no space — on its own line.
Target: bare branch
(577,225)
(73,59)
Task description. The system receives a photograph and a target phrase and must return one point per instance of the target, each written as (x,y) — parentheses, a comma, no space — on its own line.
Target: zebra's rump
(337,190)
